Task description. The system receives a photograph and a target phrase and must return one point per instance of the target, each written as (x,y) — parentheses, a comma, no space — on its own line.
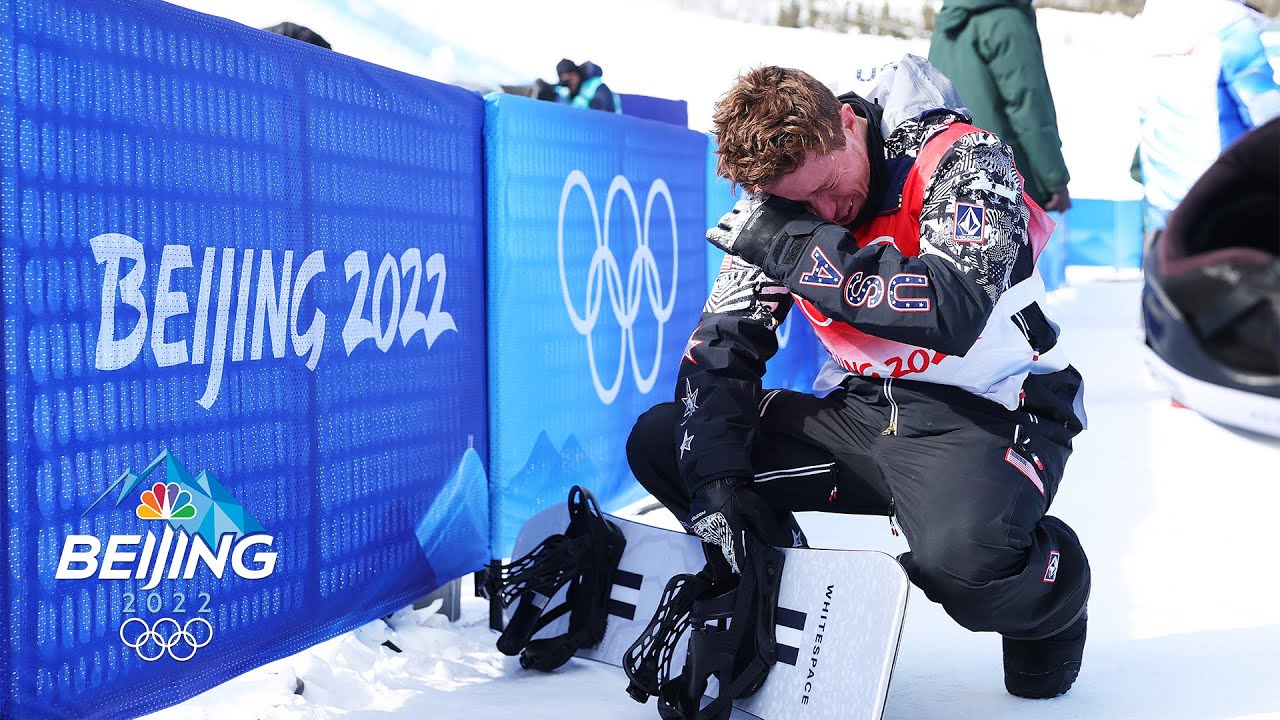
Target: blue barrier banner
(595,256)
(674,112)
(243,350)
(1106,233)
(800,353)
(1052,262)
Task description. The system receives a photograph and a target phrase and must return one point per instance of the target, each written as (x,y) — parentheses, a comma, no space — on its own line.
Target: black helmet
(1211,296)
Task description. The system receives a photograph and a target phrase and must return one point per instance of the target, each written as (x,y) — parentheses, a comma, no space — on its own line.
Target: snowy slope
(1176,514)
(656,48)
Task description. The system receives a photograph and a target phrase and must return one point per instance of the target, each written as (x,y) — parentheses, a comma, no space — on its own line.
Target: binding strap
(584,557)
(732,636)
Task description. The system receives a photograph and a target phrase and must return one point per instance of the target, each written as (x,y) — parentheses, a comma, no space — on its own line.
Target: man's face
(570,80)
(833,186)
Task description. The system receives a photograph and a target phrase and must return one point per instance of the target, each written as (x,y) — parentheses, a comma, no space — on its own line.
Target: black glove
(1059,201)
(727,514)
(752,226)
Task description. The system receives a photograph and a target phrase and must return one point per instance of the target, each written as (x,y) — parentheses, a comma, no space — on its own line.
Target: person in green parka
(990,50)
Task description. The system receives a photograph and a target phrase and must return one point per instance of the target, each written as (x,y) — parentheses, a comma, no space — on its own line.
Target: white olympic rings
(151,643)
(604,273)
(784,332)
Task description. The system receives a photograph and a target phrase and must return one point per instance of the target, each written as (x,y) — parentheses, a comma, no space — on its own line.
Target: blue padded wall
(1052,262)
(1104,232)
(674,112)
(591,297)
(151,158)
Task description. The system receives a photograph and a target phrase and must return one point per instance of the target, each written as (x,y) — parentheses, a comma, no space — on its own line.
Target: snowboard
(839,619)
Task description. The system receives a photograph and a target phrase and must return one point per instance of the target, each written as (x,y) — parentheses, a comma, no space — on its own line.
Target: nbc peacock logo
(191,524)
(166,501)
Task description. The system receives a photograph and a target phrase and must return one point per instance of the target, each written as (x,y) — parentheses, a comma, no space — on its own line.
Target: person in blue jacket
(1205,81)
(581,86)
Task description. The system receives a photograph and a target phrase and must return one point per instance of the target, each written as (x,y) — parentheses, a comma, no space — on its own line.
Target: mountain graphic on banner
(218,512)
(555,470)
(458,509)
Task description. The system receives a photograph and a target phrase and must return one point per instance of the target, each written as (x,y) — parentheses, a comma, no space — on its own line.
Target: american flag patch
(970,221)
(1051,570)
(1024,467)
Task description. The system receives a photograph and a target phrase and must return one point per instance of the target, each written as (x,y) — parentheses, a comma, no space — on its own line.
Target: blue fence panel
(675,112)
(1052,262)
(1104,232)
(243,350)
(596,280)
(800,353)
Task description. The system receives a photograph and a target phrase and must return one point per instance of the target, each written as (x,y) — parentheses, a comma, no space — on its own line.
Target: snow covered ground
(1177,515)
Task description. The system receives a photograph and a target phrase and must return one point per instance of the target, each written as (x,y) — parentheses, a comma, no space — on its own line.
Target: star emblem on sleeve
(689,346)
(686,444)
(690,400)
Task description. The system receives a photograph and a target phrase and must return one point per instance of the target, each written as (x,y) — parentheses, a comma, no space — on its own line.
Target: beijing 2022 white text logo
(604,273)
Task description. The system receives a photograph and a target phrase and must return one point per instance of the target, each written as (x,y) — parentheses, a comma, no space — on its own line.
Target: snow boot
(1047,667)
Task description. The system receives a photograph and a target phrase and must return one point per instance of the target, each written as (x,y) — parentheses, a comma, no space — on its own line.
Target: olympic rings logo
(784,332)
(605,273)
(152,642)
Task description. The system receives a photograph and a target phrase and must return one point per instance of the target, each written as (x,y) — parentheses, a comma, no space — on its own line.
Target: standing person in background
(581,86)
(299,32)
(1205,81)
(990,49)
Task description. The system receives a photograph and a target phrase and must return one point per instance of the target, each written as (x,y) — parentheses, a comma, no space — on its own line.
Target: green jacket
(991,51)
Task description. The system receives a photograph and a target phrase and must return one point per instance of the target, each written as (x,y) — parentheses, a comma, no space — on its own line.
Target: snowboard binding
(584,557)
(732,622)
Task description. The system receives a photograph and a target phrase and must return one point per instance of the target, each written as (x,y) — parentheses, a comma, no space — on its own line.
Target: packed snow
(1175,512)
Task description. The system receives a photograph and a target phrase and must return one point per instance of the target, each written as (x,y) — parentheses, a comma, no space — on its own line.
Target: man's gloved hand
(723,512)
(1059,201)
(752,225)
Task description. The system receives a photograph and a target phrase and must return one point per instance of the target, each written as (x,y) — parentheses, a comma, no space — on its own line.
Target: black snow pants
(968,481)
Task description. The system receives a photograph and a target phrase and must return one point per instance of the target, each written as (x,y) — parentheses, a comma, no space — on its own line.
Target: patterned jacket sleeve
(719,380)
(973,246)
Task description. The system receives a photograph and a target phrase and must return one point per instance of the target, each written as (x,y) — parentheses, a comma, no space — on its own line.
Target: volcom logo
(1051,568)
(643,280)
(970,220)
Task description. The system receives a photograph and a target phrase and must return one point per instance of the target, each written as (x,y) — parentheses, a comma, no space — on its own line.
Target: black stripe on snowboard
(626,611)
(794,619)
(627,579)
(788,654)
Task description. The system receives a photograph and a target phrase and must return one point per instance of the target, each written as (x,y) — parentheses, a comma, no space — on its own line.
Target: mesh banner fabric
(243,350)
(596,281)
